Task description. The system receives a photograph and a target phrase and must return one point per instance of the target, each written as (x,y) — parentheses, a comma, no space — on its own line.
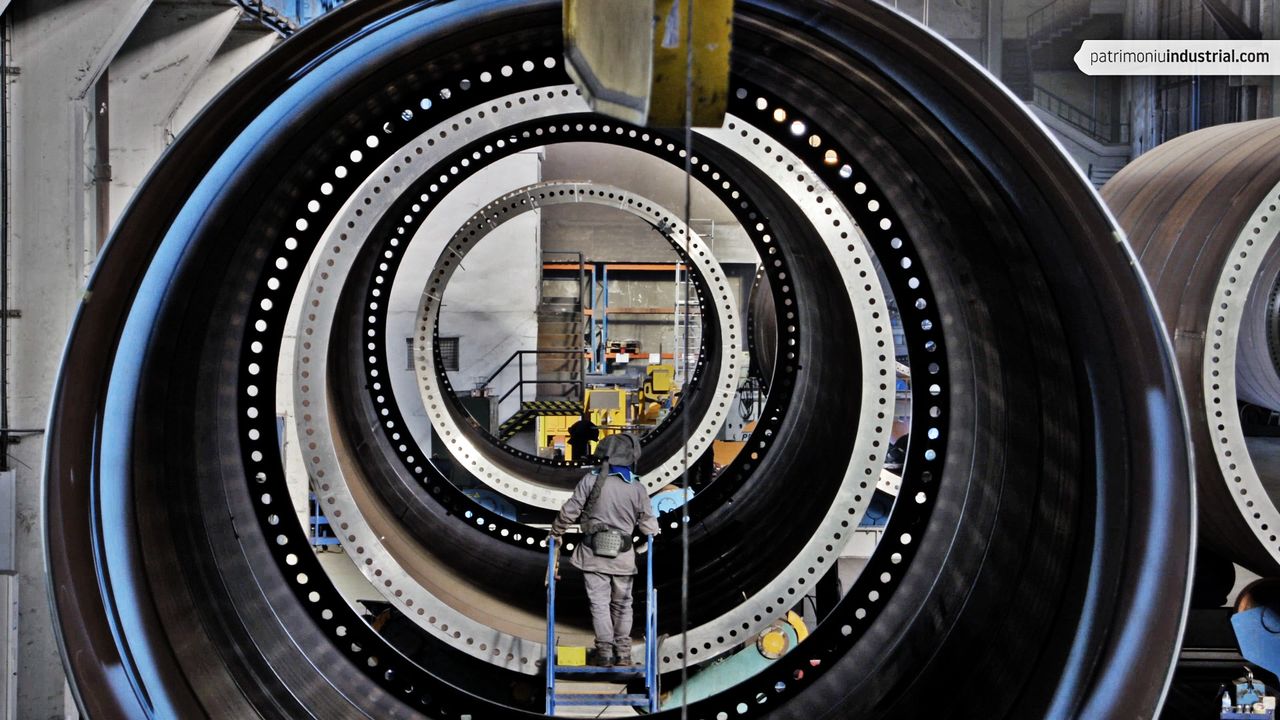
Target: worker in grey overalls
(608,504)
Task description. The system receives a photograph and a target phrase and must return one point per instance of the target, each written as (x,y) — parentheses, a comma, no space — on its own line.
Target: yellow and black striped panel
(531,409)
(551,407)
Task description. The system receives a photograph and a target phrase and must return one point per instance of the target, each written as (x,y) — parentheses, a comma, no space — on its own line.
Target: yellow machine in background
(613,410)
(655,394)
(608,409)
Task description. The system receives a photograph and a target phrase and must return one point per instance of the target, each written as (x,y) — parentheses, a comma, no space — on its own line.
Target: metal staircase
(1054,31)
(560,328)
(562,333)
(1096,134)
(531,410)
(1100,173)
(1114,132)
(688,326)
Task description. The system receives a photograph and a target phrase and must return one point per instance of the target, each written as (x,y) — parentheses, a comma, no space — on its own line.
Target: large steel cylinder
(1035,564)
(1201,212)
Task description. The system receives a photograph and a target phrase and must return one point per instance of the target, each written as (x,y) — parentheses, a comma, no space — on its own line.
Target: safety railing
(552,670)
(286,16)
(521,381)
(1105,131)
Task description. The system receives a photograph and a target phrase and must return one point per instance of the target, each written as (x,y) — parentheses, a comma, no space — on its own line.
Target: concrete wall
(242,47)
(149,80)
(501,276)
(963,22)
(656,333)
(608,235)
(611,235)
(1016,13)
(492,305)
(1092,95)
(61,49)
(1095,160)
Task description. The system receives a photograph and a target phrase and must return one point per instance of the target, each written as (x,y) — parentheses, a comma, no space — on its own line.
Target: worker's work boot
(600,656)
(623,658)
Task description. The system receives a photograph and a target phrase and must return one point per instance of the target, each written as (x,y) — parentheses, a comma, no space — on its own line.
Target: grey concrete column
(994,31)
(1269,21)
(1140,24)
(60,48)
(151,77)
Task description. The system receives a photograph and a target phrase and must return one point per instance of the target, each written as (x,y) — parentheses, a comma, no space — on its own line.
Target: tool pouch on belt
(607,542)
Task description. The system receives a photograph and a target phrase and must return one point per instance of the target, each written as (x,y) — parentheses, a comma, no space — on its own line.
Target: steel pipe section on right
(1201,212)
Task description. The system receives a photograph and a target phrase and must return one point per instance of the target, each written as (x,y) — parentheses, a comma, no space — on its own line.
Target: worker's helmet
(622,449)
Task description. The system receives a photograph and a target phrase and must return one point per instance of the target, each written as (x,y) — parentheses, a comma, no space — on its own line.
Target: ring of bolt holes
(1241,267)
(354,538)
(795,668)
(407,449)
(351,537)
(487,220)
(489,212)
(701,291)
(373,325)
(750,332)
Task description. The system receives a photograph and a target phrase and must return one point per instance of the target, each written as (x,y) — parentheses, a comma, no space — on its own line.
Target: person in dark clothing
(608,516)
(581,435)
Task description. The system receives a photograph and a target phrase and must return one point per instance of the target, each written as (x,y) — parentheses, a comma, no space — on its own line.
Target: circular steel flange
(772,434)
(1055,496)
(1202,212)
(446,416)
(397,567)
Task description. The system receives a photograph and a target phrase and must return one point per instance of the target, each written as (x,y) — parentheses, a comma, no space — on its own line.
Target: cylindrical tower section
(1200,211)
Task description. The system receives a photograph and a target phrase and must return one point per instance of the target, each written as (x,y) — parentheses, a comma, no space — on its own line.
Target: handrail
(1047,20)
(286,17)
(550,667)
(522,382)
(502,367)
(651,631)
(269,16)
(1115,132)
(518,353)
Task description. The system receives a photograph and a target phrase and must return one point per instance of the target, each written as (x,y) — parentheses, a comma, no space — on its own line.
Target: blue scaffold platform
(556,698)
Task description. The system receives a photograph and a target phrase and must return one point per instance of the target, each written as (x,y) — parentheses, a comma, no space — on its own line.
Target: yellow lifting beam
(629,57)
